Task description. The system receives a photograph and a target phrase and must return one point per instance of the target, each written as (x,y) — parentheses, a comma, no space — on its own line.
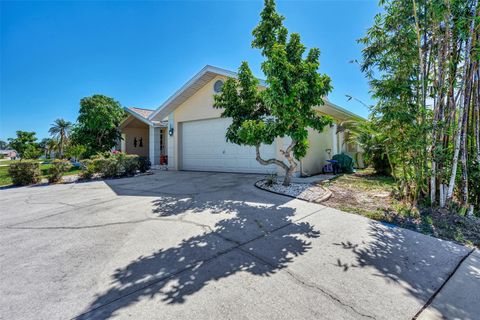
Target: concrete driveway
(190,245)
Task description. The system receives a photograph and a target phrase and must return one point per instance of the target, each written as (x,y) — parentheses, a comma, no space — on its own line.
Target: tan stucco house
(190,132)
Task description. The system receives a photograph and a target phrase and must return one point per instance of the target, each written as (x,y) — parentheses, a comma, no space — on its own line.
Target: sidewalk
(460,296)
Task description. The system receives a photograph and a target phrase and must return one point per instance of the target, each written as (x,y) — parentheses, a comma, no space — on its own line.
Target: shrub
(129,164)
(144,164)
(106,167)
(114,165)
(379,162)
(88,169)
(24,172)
(56,171)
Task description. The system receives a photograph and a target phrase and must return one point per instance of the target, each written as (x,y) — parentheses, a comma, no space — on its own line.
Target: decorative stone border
(306,195)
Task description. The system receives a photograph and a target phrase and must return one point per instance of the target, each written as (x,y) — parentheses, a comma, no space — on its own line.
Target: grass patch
(372,196)
(5,178)
(7,162)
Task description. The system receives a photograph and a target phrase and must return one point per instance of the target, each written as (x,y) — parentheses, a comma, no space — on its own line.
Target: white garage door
(204,148)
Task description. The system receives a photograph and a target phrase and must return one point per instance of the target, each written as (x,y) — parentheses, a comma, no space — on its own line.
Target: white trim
(218,71)
(164,108)
(343,110)
(138,116)
(123,144)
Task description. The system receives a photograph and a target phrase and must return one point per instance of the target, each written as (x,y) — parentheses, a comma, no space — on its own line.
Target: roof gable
(143,115)
(208,73)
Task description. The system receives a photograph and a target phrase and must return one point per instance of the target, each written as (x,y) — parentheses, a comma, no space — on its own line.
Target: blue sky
(54,53)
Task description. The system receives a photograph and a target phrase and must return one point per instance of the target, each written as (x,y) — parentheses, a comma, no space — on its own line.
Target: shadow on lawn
(175,273)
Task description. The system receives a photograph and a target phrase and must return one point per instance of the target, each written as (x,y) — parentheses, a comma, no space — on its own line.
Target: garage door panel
(204,148)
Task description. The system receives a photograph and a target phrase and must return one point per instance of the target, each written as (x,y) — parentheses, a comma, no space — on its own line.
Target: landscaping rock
(305,191)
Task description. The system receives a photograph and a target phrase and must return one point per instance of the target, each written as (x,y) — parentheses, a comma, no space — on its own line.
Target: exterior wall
(130,134)
(317,155)
(200,107)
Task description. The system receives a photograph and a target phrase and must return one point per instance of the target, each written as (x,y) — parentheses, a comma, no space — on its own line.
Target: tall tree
(60,130)
(97,124)
(285,108)
(422,60)
(25,141)
(3,145)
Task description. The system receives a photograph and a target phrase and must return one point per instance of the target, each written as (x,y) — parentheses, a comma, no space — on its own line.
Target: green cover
(345,162)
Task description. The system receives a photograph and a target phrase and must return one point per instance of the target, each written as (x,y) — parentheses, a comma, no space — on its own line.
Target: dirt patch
(373,196)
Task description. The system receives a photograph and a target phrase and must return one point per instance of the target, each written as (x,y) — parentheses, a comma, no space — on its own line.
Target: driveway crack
(199,261)
(309,285)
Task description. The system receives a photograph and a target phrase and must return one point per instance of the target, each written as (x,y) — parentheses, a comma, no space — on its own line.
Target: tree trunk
(442,195)
(476,115)
(293,164)
(433,183)
(456,153)
(289,170)
(461,134)
(288,176)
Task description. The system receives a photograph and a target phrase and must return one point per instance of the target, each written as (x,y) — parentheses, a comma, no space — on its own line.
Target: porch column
(154,145)
(123,145)
(171,142)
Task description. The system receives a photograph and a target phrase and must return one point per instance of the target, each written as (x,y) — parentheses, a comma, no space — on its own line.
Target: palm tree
(51,145)
(60,129)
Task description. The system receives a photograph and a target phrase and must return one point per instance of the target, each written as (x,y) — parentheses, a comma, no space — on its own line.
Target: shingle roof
(141,111)
(143,114)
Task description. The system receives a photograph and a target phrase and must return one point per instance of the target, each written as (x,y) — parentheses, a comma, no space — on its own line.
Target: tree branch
(269,161)
(288,153)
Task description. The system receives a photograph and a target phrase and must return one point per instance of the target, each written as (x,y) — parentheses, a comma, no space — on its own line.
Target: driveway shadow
(175,273)
(417,263)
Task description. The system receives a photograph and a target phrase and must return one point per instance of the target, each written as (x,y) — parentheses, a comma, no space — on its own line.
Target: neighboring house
(188,130)
(12,154)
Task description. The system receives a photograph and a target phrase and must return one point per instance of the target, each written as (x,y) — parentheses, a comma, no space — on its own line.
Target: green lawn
(7,162)
(5,179)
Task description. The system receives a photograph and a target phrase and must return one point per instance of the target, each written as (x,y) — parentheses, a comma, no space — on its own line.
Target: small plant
(57,170)
(129,164)
(107,167)
(271,179)
(88,169)
(24,172)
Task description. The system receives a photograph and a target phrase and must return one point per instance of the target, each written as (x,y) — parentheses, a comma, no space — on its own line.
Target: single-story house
(10,154)
(191,134)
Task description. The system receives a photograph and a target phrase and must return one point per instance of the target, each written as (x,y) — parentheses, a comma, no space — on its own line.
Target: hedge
(114,165)
(24,172)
